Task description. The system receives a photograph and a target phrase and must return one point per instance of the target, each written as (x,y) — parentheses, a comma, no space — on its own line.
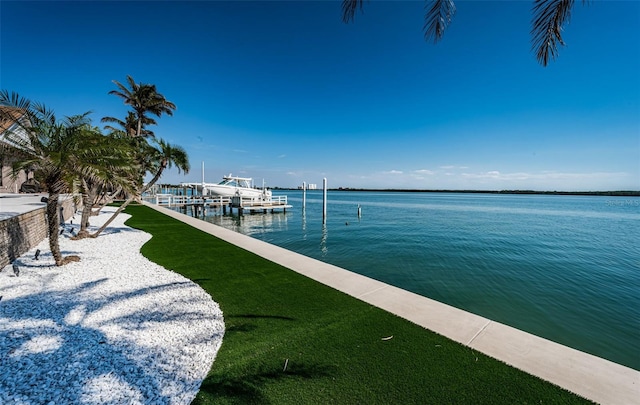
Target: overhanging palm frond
(549,18)
(349,8)
(437,18)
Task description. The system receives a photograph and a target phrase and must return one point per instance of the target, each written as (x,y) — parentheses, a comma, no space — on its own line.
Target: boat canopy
(232,181)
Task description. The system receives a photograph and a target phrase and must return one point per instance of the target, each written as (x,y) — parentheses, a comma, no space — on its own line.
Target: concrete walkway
(12,205)
(589,376)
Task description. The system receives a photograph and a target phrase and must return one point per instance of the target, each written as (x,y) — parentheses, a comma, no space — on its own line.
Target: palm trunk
(88,198)
(153,180)
(129,201)
(54,188)
(53,223)
(102,200)
(115,214)
(139,131)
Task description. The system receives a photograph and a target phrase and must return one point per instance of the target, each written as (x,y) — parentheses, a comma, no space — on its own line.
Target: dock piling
(324,200)
(304,194)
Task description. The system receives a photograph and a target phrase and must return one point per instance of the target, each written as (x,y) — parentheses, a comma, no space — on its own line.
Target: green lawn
(333,345)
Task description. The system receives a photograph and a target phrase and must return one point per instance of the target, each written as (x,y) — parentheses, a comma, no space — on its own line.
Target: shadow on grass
(238,325)
(256,316)
(250,388)
(199,281)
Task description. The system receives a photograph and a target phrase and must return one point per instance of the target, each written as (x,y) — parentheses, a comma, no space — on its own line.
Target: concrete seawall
(25,223)
(589,376)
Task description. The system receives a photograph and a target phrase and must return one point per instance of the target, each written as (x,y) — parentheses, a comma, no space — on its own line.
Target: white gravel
(113,328)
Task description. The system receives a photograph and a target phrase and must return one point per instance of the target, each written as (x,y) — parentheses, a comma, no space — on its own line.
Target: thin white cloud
(542,176)
(282,156)
(393,172)
(453,167)
(425,172)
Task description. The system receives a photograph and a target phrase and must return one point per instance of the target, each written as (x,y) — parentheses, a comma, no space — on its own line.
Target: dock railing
(272,201)
(200,204)
(171,200)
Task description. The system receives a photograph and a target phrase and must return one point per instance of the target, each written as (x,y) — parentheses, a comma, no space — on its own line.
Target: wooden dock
(264,206)
(200,204)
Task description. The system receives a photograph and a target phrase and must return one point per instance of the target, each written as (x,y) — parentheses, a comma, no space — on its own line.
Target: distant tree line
(618,193)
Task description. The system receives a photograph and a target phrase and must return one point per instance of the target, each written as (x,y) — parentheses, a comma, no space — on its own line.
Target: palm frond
(548,21)
(13,100)
(437,18)
(123,93)
(17,116)
(162,157)
(349,8)
(129,126)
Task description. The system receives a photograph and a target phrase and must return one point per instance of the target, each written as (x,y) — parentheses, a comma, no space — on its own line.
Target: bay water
(566,268)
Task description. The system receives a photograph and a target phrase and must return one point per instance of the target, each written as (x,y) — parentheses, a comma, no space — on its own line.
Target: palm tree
(117,171)
(549,18)
(59,149)
(157,159)
(165,156)
(144,99)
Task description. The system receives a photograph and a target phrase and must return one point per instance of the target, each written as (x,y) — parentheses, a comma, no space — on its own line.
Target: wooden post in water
(304,194)
(203,178)
(324,200)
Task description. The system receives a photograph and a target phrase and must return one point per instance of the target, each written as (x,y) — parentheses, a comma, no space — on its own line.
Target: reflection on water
(269,227)
(304,223)
(323,240)
(254,224)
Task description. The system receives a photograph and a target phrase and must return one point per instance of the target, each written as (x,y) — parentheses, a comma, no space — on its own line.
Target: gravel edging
(113,328)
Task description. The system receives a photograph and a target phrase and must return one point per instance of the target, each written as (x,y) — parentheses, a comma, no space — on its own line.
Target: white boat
(231,186)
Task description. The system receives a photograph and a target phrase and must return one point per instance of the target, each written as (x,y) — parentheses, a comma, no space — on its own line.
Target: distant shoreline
(619,193)
(615,193)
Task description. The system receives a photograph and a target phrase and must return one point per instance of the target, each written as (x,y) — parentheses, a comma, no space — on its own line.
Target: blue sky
(286,92)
